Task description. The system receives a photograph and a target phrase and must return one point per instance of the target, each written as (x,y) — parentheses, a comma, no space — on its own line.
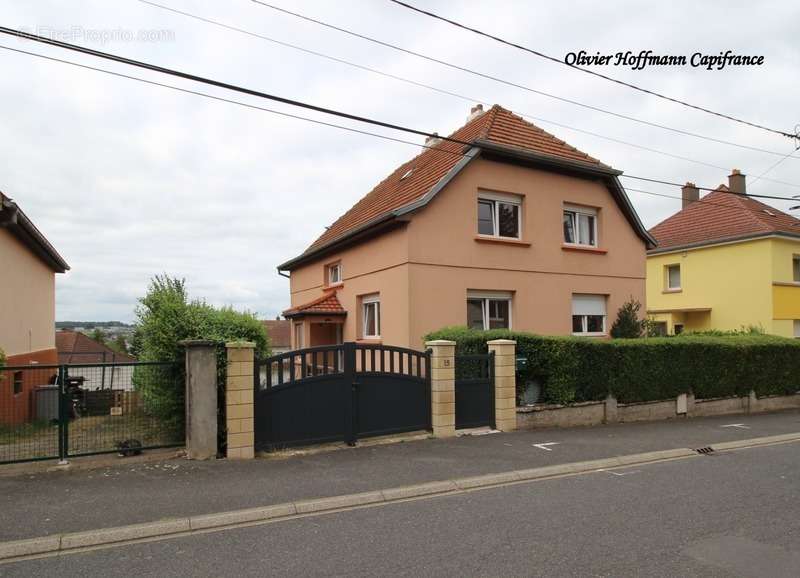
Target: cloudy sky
(129,180)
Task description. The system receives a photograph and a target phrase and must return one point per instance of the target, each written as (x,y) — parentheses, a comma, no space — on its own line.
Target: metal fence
(62,411)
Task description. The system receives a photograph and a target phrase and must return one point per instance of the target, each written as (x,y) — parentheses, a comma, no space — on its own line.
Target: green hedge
(575,369)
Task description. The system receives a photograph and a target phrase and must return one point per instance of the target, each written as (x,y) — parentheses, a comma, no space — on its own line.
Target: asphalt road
(729,514)
(46,503)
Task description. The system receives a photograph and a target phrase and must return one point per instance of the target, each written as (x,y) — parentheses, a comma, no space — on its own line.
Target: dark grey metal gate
(474,391)
(340,393)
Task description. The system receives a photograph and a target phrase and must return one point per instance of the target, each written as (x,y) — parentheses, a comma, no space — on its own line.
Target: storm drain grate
(705,450)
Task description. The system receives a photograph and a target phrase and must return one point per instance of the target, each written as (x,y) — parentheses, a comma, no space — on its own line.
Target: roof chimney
(431,141)
(736,182)
(475,111)
(689,193)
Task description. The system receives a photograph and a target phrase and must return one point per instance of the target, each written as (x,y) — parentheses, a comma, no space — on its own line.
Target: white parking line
(544,446)
(739,425)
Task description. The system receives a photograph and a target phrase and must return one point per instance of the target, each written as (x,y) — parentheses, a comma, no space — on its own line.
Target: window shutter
(588,304)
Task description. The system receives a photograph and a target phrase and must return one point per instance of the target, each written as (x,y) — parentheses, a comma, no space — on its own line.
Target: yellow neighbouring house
(725,261)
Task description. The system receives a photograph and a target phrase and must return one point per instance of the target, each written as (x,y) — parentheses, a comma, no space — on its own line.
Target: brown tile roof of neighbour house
(75,347)
(279,331)
(16,222)
(327,304)
(721,216)
(490,131)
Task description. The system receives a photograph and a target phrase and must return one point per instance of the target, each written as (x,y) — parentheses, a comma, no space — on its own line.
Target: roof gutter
(488,149)
(723,241)
(382,220)
(18,224)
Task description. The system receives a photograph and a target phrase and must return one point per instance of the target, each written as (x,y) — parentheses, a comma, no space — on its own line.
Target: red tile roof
(328,303)
(279,331)
(75,347)
(721,216)
(497,125)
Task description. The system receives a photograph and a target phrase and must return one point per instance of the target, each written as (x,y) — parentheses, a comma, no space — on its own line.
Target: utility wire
(219,84)
(701,201)
(592,72)
(228,100)
(729,192)
(436,89)
(508,82)
(251,92)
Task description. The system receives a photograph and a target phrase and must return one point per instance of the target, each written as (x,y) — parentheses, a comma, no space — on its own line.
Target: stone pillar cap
(240,345)
(198,343)
(501,342)
(439,342)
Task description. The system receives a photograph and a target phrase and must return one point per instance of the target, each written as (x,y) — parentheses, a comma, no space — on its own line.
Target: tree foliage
(165,317)
(629,324)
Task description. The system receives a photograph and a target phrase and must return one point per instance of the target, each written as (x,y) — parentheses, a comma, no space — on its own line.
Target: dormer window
(580,226)
(334,274)
(499,215)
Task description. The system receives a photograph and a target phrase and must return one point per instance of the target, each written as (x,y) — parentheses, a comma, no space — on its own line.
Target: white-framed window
(796,268)
(334,273)
(298,336)
(489,310)
(371,316)
(588,314)
(499,215)
(580,226)
(673,277)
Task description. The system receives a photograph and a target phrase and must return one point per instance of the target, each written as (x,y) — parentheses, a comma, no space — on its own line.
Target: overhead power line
(510,83)
(592,72)
(227,100)
(470,99)
(218,84)
(251,92)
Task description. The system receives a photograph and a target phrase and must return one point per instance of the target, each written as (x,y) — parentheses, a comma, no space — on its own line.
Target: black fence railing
(61,411)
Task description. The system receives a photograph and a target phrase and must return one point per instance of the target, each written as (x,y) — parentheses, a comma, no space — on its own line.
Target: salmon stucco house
(517,230)
(28,266)
(726,261)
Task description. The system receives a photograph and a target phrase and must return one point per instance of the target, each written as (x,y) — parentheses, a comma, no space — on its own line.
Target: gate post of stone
(201,399)
(443,387)
(505,383)
(239,390)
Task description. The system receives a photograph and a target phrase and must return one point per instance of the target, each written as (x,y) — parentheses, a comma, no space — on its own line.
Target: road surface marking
(739,425)
(544,446)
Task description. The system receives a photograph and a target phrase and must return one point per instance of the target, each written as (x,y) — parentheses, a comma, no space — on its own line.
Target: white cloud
(129,180)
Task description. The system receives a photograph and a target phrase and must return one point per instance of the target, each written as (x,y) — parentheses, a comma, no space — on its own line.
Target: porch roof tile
(327,304)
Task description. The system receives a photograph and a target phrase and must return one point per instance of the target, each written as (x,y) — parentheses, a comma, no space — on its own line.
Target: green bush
(165,317)
(575,369)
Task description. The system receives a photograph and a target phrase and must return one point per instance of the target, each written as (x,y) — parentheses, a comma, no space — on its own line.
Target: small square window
(334,274)
(580,226)
(489,312)
(673,277)
(499,217)
(588,314)
(18,382)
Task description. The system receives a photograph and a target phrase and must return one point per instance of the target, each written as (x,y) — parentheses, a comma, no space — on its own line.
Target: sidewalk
(48,503)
